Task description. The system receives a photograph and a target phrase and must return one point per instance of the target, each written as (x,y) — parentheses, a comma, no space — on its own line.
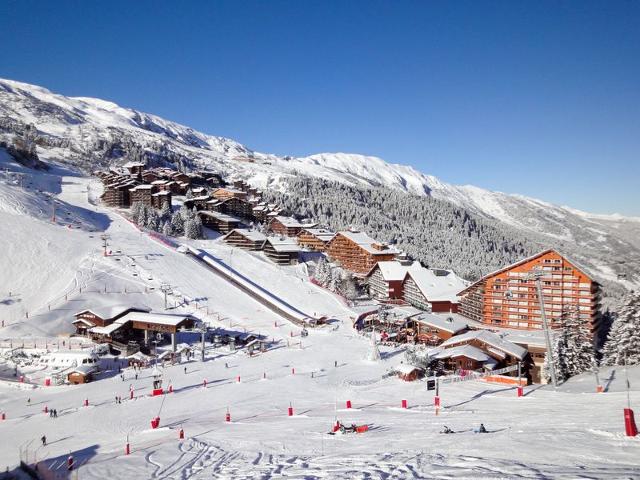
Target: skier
(55,413)
(447,430)
(29,401)
(481,429)
(136,376)
(185,370)
(44,440)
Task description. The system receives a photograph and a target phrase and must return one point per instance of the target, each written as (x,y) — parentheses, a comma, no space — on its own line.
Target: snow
(438,287)
(365,242)
(394,270)
(569,433)
(490,339)
(468,351)
(447,323)
(107,312)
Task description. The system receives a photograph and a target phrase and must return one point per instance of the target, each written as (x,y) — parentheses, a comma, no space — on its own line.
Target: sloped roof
(289,222)
(525,260)
(284,244)
(252,235)
(468,351)
(437,288)
(393,270)
(107,312)
(365,242)
(443,322)
(490,339)
(157,318)
(219,216)
(321,233)
(405,368)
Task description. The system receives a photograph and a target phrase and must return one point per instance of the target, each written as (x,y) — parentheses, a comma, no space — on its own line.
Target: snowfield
(569,433)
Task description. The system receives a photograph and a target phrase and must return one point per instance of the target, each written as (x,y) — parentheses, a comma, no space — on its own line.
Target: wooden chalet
(135,169)
(286,226)
(103,316)
(117,193)
(479,349)
(283,251)
(81,374)
(508,297)
(137,326)
(223,193)
(142,194)
(237,207)
(357,252)
(431,329)
(386,278)
(315,238)
(245,239)
(432,290)
(221,222)
(409,373)
(160,199)
(200,203)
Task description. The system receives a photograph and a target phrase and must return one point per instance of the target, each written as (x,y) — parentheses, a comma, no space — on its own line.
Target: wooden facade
(223,193)
(219,221)
(315,239)
(285,226)
(509,298)
(282,251)
(237,207)
(245,239)
(142,194)
(357,252)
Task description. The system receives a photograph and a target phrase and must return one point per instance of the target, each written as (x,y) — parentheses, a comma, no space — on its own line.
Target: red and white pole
(348,403)
(404,404)
(181,434)
(238,379)
(204,383)
(86,402)
(227,417)
(127,449)
(290,410)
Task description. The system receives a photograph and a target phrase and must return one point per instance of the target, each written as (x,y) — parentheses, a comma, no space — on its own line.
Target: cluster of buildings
(469,323)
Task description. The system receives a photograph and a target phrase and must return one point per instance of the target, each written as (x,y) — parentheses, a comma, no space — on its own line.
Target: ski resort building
(116,194)
(246,239)
(103,316)
(219,221)
(358,252)
(508,297)
(138,326)
(160,199)
(315,238)
(286,226)
(432,290)
(478,349)
(135,169)
(142,194)
(223,193)
(283,251)
(431,329)
(386,278)
(237,207)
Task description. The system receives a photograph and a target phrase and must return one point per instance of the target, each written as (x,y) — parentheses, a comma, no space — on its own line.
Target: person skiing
(44,440)
(55,413)
(185,370)
(447,430)
(481,429)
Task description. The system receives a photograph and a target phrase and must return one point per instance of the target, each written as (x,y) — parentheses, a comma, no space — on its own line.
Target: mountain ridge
(88,133)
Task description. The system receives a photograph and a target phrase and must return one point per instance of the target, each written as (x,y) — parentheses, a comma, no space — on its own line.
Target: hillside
(86,134)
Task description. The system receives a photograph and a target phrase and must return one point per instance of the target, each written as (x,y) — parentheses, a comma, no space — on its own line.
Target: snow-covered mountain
(86,133)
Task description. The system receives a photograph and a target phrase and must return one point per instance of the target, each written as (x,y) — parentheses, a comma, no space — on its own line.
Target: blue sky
(537,98)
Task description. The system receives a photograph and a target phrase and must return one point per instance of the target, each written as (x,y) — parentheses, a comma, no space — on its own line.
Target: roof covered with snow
(252,235)
(468,351)
(447,323)
(107,312)
(437,287)
(219,216)
(289,222)
(365,242)
(405,368)
(284,244)
(321,233)
(488,338)
(157,318)
(393,270)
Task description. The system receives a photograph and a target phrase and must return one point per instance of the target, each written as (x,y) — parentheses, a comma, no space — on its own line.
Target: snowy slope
(86,133)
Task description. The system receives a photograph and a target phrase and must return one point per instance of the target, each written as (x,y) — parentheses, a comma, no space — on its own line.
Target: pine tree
(573,351)
(153,220)
(321,271)
(167,228)
(189,194)
(177,224)
(349,287)
(623,342)
(165,213)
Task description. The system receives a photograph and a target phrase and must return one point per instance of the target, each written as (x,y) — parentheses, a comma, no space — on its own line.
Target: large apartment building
(508,297)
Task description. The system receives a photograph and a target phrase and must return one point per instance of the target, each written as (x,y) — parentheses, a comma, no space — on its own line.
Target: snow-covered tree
(167,229)
(322,271)
(623,342)
(193,227)
(153,219)
(177,224)
(189,194)
(573,351)
(373,354)
(349,286)
(165,213)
